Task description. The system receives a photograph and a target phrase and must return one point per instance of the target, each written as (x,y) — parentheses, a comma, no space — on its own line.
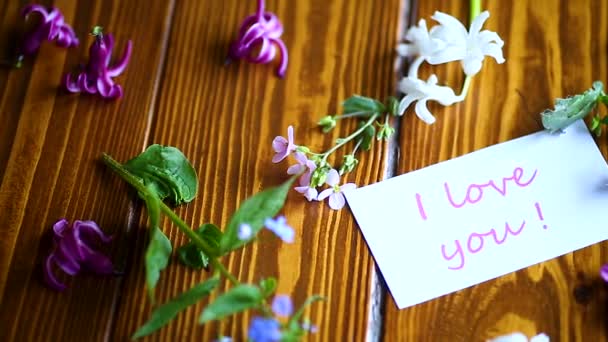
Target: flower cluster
(258,39)
(447,42)
(74,251)
(314,171)
(268,329)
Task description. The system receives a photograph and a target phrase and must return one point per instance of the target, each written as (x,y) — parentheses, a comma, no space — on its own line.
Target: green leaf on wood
(166,312)
(190,255)
(168,169)
(362,104)
(268,286)
(239,298)
(253,212)
(571,109)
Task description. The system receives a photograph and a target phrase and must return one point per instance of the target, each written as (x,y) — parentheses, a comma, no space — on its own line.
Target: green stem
(141,188)
(351,137)
(351,115)
(218,266)
(475,9)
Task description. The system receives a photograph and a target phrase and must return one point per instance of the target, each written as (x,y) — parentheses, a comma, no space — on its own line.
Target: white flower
(469,47)
(519,337)
(418,90)
(422,44)
(335,191)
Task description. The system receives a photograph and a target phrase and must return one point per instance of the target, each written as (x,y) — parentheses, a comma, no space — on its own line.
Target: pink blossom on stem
(283,147)
(52,27)
(97,75)
(308,167)
(335,192)
(258,39)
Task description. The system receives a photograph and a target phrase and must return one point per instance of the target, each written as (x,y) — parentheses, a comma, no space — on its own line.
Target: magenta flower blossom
(73,251)
(51,27)
(280,228)
(97,75)
(283,147)
(258,37)
(604,272)
(335,192)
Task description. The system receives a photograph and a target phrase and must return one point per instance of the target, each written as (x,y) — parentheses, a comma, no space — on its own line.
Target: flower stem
(352,136)
(351,115)
(474,10)
(141,188)
(218,266)
(465,88)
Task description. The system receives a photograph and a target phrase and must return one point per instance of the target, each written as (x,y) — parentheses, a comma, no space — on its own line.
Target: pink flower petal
(308,192)
(324,194)
(336,201)
(279,144)
(122,63)
(295,169)
(333,178)
(49,276)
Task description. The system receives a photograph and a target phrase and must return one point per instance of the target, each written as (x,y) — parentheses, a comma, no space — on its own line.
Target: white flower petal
(348,187)
(406,101)
(450,23)
(471,65)
(333,178)
(486,37)
(540,338)
(423,113)
(515,337)
(494,51)
(478,22)
(406,50)
(324,194)
(448,54)
(336,201)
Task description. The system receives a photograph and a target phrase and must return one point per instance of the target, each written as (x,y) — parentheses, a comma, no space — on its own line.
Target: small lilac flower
(304,164)
(280,228)
(336,192)
(257,37)
(264,330)
(52,27)
(604,272)
(310,327)
(283,147)
(73,251)
(97,75)
(282,306)
(244,232)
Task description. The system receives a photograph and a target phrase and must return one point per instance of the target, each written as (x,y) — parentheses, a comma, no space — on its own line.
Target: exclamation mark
(540,214)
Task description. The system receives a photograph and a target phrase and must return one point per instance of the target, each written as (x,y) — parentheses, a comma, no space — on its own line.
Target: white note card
(464,221)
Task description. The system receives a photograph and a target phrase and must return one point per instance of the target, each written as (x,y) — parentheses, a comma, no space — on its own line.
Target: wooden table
(179,93)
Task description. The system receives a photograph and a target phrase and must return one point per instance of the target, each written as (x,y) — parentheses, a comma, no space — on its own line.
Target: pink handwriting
(475,244)
(420,207)
(475,192)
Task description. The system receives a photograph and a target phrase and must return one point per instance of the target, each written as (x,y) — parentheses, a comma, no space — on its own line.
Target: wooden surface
(178,92)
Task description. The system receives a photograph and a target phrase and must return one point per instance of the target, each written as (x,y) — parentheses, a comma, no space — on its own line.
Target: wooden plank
(224,119)
(553,49)
(49,163)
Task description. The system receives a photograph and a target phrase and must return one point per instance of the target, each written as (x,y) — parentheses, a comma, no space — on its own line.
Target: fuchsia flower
(97,75)
(52,27)
(73,251)
(604,272)
(283,147)
(336,192)
(257,37)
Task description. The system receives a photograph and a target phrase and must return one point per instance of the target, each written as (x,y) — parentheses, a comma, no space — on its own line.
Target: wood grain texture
(553,49)
(224,119)
(50,143)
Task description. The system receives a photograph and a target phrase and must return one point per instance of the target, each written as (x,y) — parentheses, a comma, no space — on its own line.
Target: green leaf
(367,136)
(237,299)
(254,211)
(603,99)
(159,249)
(190,255)
(362,104)
(568,110)
(393,105)
(310,300)
(168,169)
(268,286)
(166,312)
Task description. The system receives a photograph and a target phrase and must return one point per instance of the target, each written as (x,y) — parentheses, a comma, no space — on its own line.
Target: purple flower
(73,251)
(97,74)
(258,37)
(264,330)
(304,164)
(283,147)
(51,27)
(604,272)
(280,228)
(282,306)
(336,192)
